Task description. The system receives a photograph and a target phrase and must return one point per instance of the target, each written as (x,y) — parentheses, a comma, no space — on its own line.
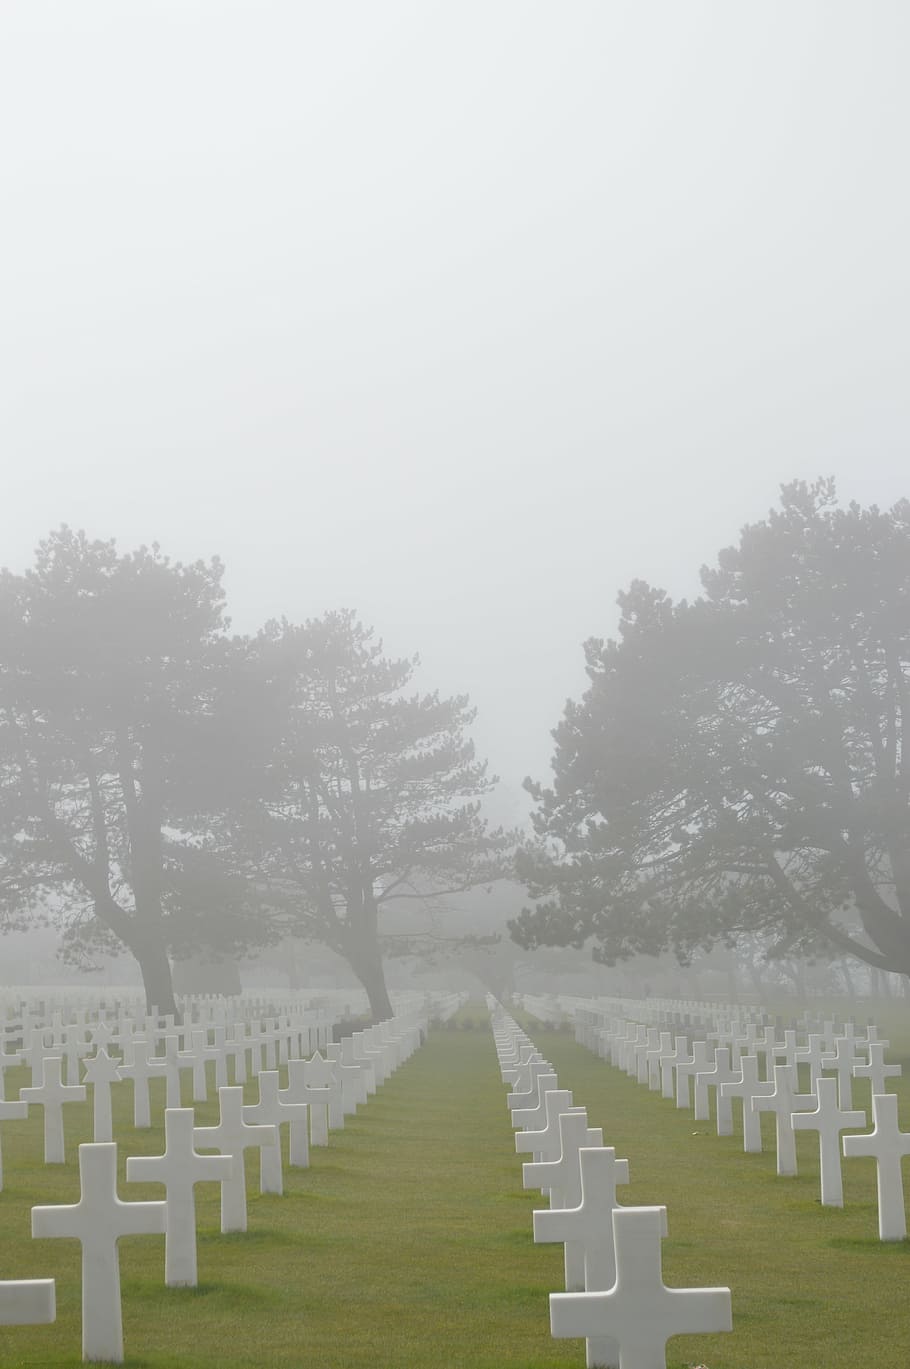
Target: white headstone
(829,1121)
(232,1136)
(272,1109)
(180,1168)
(717,1074)
(27,1302)
(783,1102)
(639,1313)
(52,1094)
(747,1087)
(875,1070)
(544,1143)
(887,1145)
(842,1061)
(98,1220)
(589,1225)
(101,1071)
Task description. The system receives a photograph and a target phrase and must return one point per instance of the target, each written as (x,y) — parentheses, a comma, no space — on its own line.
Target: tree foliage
(111,749)
(171,789)
(374,792)
(739,763)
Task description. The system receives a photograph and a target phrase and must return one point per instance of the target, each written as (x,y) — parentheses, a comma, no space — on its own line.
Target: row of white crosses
(760,1069)
(257,1044)
(101,1217)
(615,1295)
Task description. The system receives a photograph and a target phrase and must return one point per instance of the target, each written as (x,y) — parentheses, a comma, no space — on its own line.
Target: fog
(459,315)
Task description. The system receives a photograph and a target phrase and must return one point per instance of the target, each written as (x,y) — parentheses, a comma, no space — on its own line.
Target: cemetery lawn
(407,1243)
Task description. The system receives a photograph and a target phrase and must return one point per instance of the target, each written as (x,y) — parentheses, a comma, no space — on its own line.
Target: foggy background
(459,315)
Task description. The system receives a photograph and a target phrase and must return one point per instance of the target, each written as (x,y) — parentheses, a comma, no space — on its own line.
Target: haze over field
(460,316)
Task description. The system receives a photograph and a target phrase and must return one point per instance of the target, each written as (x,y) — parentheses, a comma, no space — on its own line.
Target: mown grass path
(813,1287)
(407,1244)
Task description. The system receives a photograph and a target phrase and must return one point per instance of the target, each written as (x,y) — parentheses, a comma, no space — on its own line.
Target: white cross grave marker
(52,1093)
(702,1059)
(541,1076)
(300,1090)
(141,1069)
(813,1055)
(7,1060)
(668,1061)
(320,1072)
(842,1062)
(298,1131)
(168,1064)
(101,1071)
(98,1220)
(590,1221)
(719,1073)
(232,1136)
(783,1102)
(829,1121)
(273,1110)
(561,1179)
(876,1071)
(747,1087)
(180,1168)
(543,1143)
(887,1145)
(639,1312)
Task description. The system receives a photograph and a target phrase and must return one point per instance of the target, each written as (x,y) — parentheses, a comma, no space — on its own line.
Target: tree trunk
(366,962)
(156,978)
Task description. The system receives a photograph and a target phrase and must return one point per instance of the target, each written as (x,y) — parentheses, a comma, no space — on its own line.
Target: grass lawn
(407,1243)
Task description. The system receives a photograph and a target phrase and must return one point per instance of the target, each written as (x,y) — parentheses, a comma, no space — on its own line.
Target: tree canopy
(375,792)
(111,751)
(170,789)
(738,763)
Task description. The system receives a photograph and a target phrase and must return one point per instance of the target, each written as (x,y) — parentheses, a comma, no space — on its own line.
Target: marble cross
(783,1102)
(180,1168)
(588,1225)
(141,1068)
(97,1221)
(719,1073)
(52,1094)
(841,1062)
(560,1179)
(638,1314)
(887,1145)
(876,1071)
(747,1087)
(543,1141)
(829,1121)
(273,1110)
(101,1071)
(232,1136)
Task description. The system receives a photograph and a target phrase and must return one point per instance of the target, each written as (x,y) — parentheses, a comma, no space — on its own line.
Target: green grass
(407,1244)
(813,1287)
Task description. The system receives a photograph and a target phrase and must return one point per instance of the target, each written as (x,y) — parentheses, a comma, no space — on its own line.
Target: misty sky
(462,315)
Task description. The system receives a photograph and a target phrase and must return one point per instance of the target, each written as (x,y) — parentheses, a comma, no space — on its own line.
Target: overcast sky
(462,315)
